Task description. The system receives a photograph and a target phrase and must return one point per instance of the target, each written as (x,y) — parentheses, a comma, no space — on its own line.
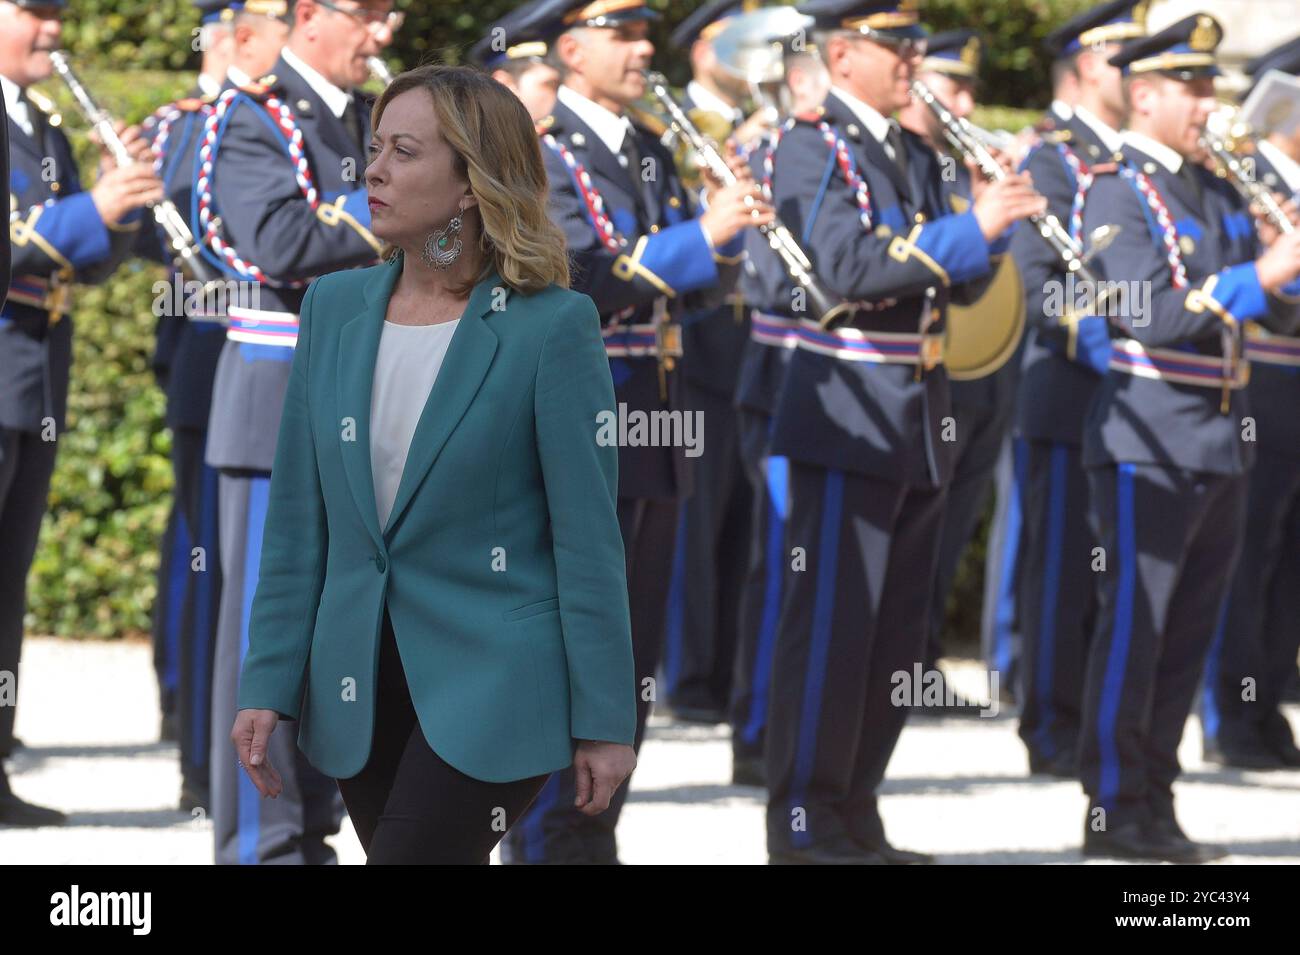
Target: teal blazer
(502,564)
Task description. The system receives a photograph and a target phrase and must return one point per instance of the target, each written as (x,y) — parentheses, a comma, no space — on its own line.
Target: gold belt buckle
(668,342)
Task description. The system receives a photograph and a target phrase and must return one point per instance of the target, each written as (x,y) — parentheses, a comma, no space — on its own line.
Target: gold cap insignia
(1206,35)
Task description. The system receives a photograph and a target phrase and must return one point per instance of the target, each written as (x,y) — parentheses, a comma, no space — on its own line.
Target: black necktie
(895,139)
(352,120)
(1187,173)
(633,156)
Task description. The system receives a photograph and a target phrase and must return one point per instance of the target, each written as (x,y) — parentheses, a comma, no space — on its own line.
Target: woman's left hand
(599,768)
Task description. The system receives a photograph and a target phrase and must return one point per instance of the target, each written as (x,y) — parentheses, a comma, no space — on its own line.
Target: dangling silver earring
(442,248)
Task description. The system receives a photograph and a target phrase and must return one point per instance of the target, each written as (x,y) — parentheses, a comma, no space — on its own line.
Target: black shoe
(193,797)
(840,852)
(895,856)
(1276,734)
(1242,755)
(16,812)
(168,731)
(710,715)
(1063,765)
(748,771)
(1168,833)
(960,706)
(1131,841)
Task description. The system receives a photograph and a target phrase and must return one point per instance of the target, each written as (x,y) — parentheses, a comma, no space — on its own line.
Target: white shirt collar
(706,99)
(336,100)
(1286,167)
(15,106)
(207,85)
(877,125)
(1061,110)
(610,127)
(1169,158)
(238,76)
(1110,137)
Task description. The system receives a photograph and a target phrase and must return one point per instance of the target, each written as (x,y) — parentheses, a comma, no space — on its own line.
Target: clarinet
(969,140)
(379,70)
(1254,193)
(184,248)
(826,305)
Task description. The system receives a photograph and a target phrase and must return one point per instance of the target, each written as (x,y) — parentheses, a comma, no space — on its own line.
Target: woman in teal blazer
(440,666)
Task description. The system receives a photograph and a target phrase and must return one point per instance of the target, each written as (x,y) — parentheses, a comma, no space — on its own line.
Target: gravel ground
(957,787)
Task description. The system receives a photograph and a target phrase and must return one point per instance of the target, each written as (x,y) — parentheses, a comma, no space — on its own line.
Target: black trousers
(26,463)
(760,597)
(1171,538)
(553,831)
(408,805)
(981,429)
(708,565)
(1261,630)
(852,618)
(1057,598)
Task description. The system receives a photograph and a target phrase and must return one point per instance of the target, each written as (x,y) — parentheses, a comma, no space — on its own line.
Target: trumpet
(826,306)
(185,249)
(1222,139)
(969,140)
(379,70)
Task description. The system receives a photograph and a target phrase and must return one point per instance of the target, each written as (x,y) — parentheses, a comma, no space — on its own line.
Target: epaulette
(1055,136)
(46,106)
(544,124)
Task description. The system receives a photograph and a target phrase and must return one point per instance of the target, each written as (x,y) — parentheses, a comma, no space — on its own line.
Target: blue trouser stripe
(534,820)
(778,507)
(1057,476)
(1211,716)
(204,608)
(1112,689)
(819,650)
(249,799)
(1005,615)
(178,569)
(676,624)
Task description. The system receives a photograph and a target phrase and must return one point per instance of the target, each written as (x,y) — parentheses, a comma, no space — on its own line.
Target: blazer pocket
(532,610)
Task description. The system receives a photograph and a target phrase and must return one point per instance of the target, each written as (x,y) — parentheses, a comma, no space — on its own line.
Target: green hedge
(95,569)
(158,34)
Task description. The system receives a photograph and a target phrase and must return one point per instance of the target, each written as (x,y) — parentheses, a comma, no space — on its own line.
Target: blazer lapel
(468,357)
(358,350)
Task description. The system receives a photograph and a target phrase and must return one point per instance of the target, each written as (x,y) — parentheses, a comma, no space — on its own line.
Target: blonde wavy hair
(496,148)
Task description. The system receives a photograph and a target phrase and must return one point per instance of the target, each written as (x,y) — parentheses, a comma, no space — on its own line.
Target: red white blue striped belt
(1180,367)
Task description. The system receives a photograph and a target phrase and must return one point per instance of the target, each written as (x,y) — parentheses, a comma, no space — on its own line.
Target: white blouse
(409,359)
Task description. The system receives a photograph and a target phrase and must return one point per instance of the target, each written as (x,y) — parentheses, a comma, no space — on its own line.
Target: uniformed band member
(279,200)
(1063,367)
(1255,650)
(701,629)
(981,407)
(860,417)
(60,234)
(639,252)
(1168,439)
(515,56)
(763,363)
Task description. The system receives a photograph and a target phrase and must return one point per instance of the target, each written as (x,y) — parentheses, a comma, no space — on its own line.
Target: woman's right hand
(250,734)
(599,768)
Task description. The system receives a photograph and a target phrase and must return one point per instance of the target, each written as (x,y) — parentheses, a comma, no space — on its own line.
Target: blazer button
(380,565)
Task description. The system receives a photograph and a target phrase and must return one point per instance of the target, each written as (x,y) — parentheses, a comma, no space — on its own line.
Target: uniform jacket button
(380,564)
